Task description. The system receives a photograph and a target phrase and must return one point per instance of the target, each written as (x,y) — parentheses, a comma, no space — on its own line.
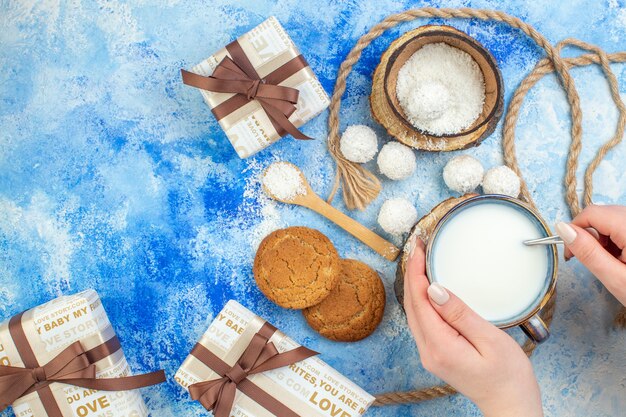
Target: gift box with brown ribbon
(260,88)
(244,367)
(63,359)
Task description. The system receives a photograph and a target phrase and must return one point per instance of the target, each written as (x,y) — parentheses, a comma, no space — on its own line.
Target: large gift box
(244,367)
(69,339)
(259,87)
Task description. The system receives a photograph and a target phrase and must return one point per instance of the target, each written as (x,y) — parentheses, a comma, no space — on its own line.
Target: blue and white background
(115,176)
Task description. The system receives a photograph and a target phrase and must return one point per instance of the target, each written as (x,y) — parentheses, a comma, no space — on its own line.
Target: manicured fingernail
(438,294)
(567,232)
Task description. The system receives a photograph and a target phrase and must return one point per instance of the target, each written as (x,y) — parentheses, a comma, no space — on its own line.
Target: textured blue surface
(115,176)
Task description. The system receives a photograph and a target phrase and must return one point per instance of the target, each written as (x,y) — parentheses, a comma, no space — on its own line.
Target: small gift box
(260,88)
(244,367)
(63,359)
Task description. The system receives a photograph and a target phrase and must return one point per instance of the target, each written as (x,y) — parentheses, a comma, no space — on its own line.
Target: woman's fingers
(478,331)
(433,334)
(502,371)
(409,311)
(610,223)
(604,241)
(590,253)
(607,220)
(416,262)
(415,285)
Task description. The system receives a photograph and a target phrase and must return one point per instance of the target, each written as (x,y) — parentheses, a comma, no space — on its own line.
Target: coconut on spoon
(285,182)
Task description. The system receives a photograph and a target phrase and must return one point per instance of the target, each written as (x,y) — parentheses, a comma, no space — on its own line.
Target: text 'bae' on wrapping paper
(310,387)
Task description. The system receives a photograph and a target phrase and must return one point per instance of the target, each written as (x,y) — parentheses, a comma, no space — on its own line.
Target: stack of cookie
(299,268)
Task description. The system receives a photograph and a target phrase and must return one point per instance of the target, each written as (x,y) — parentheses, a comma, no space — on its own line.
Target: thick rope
(360,186)
(543,67)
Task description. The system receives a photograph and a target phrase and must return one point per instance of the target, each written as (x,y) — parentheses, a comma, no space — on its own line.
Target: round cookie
(354,308)
(296,267)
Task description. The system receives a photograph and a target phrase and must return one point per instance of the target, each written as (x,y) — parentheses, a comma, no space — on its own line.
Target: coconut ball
(501,180)
(359,143)
(463,173)
(429,101)
(397,216)
(396,161)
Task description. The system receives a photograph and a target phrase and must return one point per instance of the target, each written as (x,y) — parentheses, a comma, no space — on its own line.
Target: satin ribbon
(261,355)
(71,366)
(236,74)
(74,366)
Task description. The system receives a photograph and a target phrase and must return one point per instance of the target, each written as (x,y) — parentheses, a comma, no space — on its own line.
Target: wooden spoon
(312,201)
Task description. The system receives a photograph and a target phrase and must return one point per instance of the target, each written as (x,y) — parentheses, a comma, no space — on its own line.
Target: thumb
(459,315)
(590,253)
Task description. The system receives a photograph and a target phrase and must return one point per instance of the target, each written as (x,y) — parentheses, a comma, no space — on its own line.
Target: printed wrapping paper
(54,326)
(268,48)
(310,387)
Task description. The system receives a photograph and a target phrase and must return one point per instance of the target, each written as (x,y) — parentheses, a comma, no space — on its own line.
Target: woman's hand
(469,353)
(603,255)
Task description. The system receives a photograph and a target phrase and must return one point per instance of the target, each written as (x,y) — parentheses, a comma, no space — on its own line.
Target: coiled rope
(360,186)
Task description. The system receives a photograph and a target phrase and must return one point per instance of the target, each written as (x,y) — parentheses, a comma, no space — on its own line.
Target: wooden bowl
(388,112)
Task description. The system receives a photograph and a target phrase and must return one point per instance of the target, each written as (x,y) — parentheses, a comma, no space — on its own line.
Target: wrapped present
(63,359)
(260,88)
(244,367)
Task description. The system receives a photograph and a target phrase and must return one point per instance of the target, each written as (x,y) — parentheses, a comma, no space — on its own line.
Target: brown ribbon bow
(260,356)
(237,75)
(71,366)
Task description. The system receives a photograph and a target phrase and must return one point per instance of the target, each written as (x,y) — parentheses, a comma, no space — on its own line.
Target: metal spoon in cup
(556,240)
(550,240)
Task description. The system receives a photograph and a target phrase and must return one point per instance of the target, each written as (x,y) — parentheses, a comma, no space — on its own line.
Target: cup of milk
(477,252)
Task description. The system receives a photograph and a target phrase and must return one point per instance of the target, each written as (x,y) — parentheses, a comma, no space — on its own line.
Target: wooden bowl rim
(436,30)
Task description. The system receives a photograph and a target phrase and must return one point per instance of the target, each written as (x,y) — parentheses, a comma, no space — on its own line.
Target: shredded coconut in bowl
(441,89)
(283,181)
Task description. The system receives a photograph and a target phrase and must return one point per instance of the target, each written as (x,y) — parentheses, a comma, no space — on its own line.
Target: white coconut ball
(359,143)
(501,180)
(463,173)
(397,216)
(429,100)
(396,161)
